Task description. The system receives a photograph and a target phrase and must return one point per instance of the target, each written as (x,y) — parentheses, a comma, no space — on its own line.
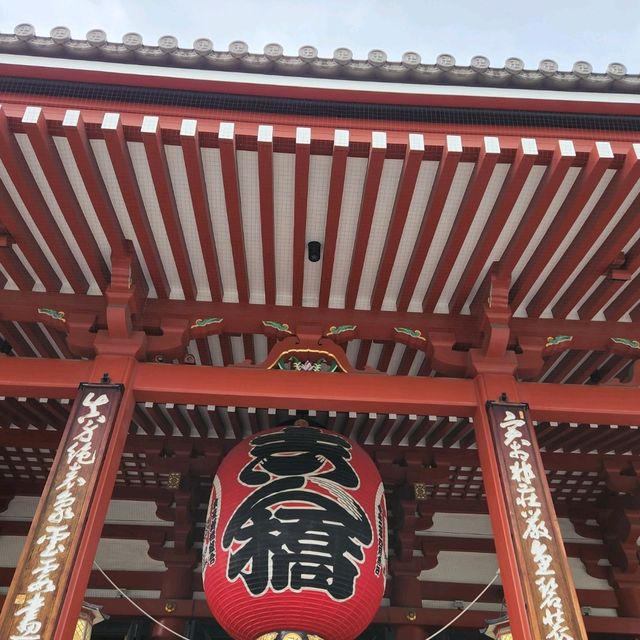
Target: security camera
(314,251)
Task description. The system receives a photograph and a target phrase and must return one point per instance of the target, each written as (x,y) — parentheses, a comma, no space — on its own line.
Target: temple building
(439,261)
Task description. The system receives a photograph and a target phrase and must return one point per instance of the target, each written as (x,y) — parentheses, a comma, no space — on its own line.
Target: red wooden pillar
(490,387)
(49,584)
(541,598)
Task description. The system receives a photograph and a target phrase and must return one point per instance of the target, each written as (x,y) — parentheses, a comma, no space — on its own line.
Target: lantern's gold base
(288,635)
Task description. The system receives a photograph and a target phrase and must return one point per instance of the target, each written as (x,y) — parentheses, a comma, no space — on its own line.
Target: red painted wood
(25,185)
(85,160)
(191,153)
(567,214)
(301,194)
(123,169)
(433,211)
(533,216)
(334,205)
(617,191)
(445,97)
(15,269)
(404,195)
(234,214)
(509,193)
(514,594)
(474,193)
(21,234)
(121,370)
(64,195)
(365,219)
(267,222)
(156,157)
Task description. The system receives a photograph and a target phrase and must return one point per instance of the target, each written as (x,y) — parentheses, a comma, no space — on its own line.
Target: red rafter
(584,372)
(123,168)
(156,157)
(365,219)
(474,193)
(507,198)
(16,270)
(75,131)
(226,141)
(20,233)
(432,213)
(60,186)
(189,140)
(404,194)
(301,194)
(28,190)
(38,340)
(265,181)
(334,204)
(617,190)
(545,193)
(607,289)
(568,364)
(567,214)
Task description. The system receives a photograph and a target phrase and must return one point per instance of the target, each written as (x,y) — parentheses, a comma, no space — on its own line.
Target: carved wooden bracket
(124,302)
(308,350)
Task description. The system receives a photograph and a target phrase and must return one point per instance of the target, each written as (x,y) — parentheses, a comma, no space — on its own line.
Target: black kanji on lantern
(300,451)
(300,529)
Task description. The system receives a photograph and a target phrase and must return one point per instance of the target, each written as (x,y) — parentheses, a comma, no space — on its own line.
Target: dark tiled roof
(237,57)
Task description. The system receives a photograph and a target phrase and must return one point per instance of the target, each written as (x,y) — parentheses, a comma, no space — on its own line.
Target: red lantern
(296,537)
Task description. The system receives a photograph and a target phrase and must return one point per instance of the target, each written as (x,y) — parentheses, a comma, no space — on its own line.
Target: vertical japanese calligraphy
(546,575)
(40,581)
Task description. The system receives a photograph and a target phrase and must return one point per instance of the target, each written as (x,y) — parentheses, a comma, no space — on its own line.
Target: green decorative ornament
(278,326)
(416,334)
(203,322)
(343,328)
(52,313)
(627,342)
(554,340)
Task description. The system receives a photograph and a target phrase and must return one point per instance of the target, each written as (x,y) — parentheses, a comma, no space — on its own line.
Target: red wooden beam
(609,286)
(598,162)
(267,222)
(406,186)
(156,157)
(75,131)
(482,172)
(563,157)
(334,205)
(451,153)
(113,133)
(15,269)
(227,144)
(191,152)
(301,194)
(370,190)
(617,191)
(24,183)
(525,157)
(35,127)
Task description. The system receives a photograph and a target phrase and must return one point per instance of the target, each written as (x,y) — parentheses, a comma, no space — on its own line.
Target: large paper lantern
(296,540)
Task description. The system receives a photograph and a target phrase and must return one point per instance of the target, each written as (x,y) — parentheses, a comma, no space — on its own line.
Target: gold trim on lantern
(272,635)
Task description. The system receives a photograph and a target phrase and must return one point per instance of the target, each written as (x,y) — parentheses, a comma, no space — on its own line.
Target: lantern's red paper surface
(296,536)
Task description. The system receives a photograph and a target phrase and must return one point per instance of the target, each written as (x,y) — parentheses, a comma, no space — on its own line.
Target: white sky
(599,31)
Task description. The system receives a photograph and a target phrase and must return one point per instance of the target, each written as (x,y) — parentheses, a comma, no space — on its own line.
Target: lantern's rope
(143,612)
(139,608)
(446,626)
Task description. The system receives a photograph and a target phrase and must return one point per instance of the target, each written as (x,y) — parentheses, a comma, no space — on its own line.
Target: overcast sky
(599,31)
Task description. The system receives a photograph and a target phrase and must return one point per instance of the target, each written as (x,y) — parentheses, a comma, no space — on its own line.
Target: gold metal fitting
(173,482)
(411,616)
(170,606)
